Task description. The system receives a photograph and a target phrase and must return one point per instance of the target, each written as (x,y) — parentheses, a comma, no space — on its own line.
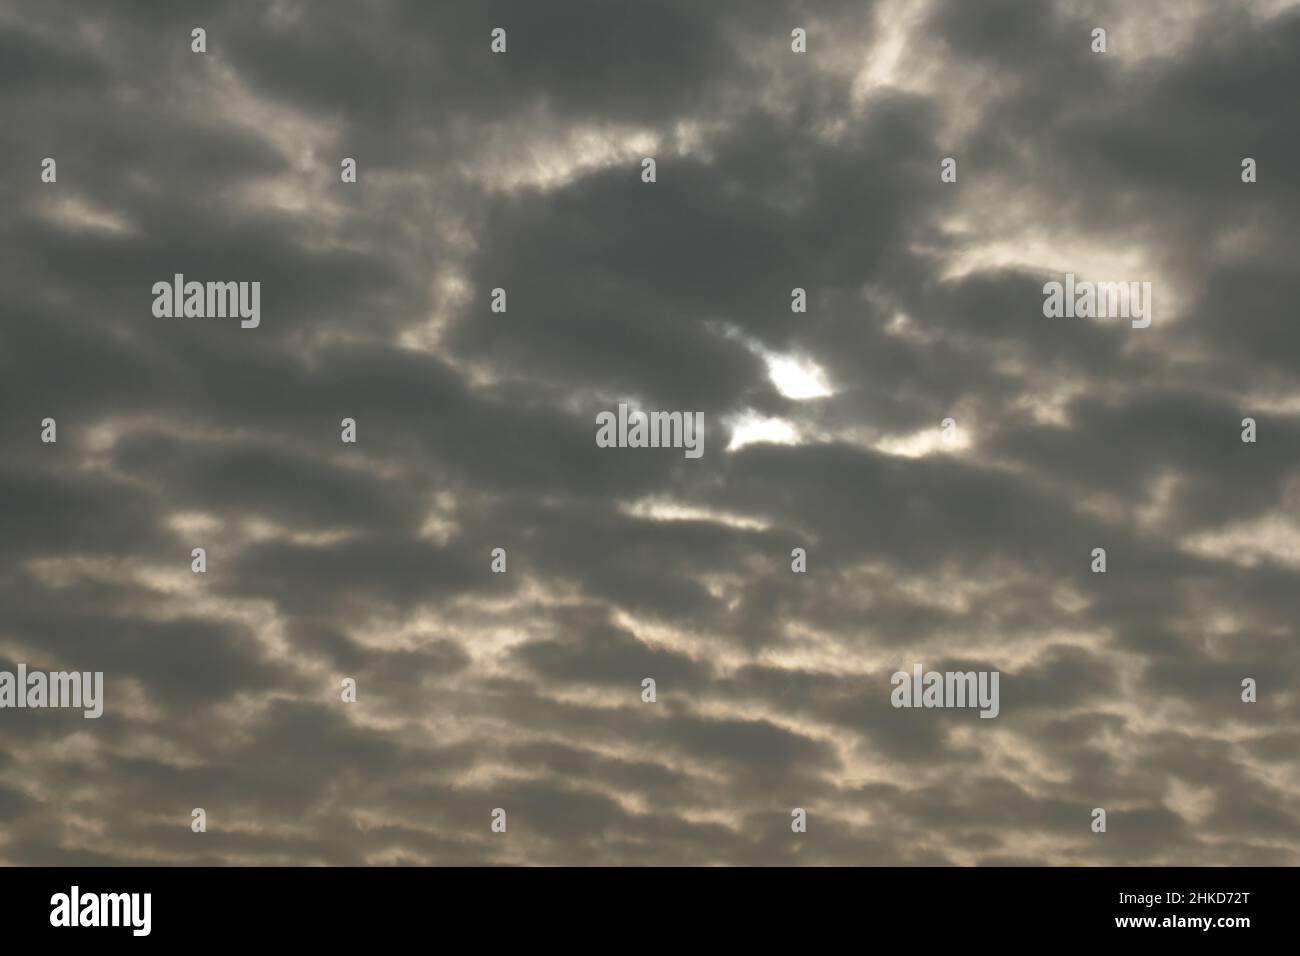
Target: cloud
(522,690)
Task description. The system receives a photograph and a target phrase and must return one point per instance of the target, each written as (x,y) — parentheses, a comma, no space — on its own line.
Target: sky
(960,547)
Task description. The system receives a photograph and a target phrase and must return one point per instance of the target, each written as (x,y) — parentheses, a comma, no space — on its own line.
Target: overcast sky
(475,431)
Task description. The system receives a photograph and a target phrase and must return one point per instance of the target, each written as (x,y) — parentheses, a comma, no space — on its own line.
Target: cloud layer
(522,690)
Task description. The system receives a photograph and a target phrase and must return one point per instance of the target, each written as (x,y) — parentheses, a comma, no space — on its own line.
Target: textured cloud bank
(522,691)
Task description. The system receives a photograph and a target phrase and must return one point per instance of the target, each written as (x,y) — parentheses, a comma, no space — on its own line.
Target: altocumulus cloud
(776,171)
